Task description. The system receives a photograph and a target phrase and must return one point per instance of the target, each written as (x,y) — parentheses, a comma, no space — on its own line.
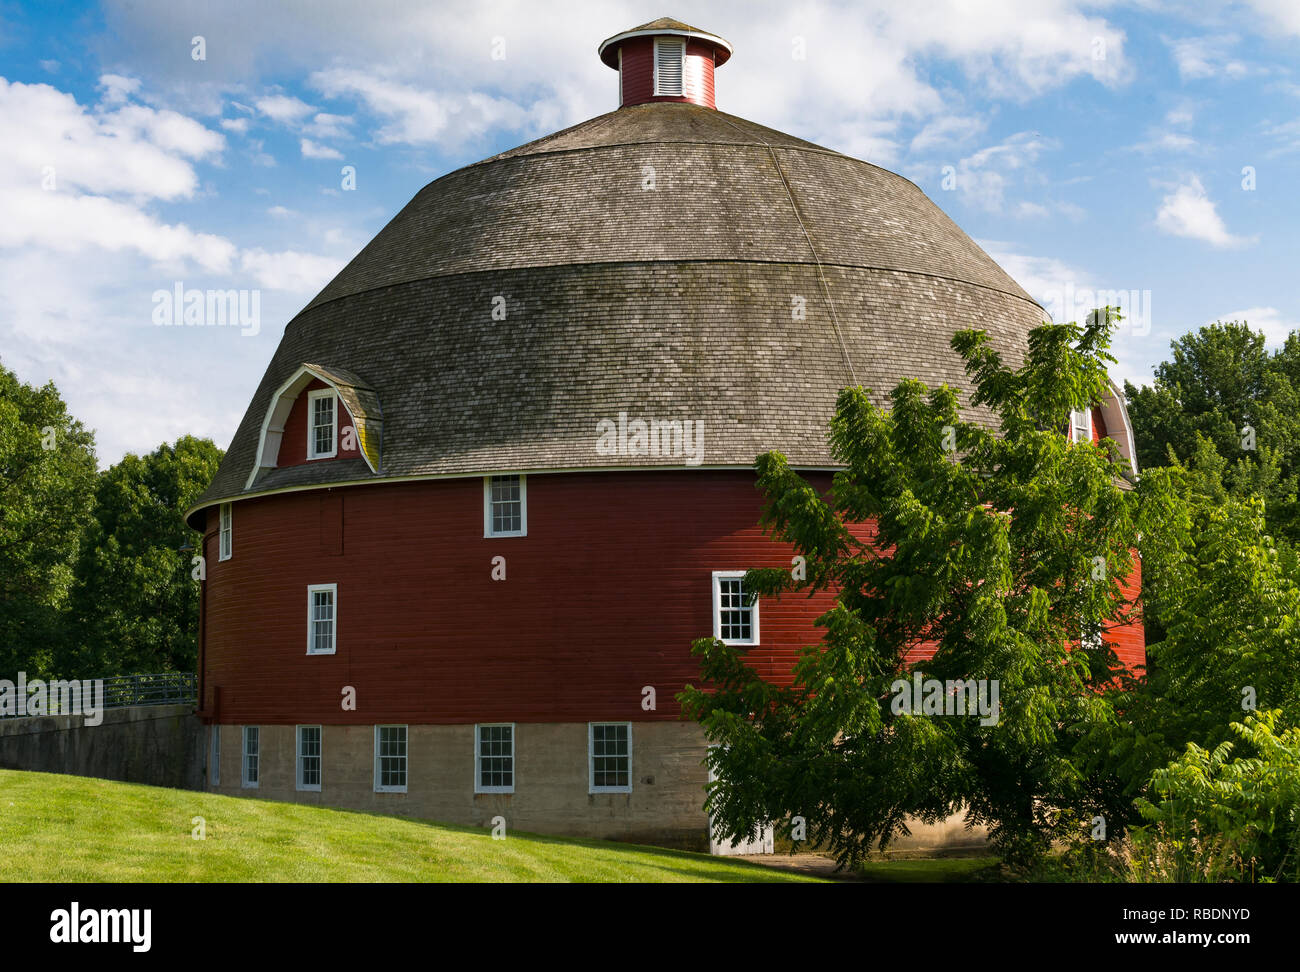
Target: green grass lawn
(943,870)
(72,828)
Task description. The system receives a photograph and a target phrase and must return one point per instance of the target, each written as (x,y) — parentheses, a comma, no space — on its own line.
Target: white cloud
(983,177)
(1282,14)
(325,125)
(283,108)
(290,270)
(1275,325)
(414,116)
(237,125)
(1207,57)
(281,211)
(947,130)
(310,150)
(1189,212)
(116,88)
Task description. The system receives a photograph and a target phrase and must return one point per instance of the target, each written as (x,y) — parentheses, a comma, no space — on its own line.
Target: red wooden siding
(638,73)
(603,597)
(293,446)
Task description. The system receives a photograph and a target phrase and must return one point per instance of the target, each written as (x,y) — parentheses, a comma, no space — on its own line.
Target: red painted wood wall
(293,445)
(603,597)
(638,73)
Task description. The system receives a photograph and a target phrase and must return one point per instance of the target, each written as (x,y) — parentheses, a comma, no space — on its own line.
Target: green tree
(1222,380)
(998,561)
(135,603)
(47,476)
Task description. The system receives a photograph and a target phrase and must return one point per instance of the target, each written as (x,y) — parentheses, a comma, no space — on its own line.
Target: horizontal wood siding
(602,598)
(638,73)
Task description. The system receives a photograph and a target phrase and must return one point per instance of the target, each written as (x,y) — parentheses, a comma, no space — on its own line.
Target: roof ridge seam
(633,263)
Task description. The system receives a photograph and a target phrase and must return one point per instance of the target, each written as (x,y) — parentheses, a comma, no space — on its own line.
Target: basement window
(308,762)
(252,758)
(505,506)
(225,543)
(670,63)
(735,610)
(494,759)
(321,619)
(390,759)
(322,424)
(609,757)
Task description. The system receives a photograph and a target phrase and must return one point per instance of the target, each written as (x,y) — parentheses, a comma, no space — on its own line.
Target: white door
(762,844)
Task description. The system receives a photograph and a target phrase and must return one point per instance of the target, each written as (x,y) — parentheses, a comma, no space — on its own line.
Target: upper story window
(505,506)
(252,755)
(322,424)
(321,620)
(225,543)
(735,610)
(670,61)
(609,757)
(390,759)
(1081,425)
(494,759)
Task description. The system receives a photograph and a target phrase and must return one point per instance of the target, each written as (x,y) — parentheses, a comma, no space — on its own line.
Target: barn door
(762,844)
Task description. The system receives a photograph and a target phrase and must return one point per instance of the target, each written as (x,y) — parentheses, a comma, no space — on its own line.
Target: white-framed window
(670,65)
(308,757)
(322,618)
(1081,425)
(609,757)
(225,541)
(390,759)
(505,506)
(252,756)
(735,612)
(322,424)
(214,772)
(494,758)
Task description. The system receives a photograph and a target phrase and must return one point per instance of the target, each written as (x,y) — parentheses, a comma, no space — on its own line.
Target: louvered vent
(669,55)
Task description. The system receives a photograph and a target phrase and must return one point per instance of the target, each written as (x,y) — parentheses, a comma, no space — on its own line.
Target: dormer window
(670,60)
(1081,425)
(322,431)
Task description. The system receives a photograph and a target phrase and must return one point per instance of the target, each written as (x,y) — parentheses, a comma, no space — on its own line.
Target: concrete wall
(666,805)
(161,745)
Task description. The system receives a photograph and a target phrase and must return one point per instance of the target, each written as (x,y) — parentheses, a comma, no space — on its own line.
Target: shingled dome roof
(667,261)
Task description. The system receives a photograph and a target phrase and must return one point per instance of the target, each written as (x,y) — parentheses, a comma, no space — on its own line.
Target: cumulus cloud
(283,108)
(1207,57)
(310,150)
(1276,325)
(1189,212)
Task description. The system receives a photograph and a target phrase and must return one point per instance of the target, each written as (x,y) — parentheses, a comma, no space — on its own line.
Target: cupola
(665,60)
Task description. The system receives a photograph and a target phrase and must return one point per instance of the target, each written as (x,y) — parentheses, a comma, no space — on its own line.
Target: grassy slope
(71,828)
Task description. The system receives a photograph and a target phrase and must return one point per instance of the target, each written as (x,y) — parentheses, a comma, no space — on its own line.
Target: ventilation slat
(669,55)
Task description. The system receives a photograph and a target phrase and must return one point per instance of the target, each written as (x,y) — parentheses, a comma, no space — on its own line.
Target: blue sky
(1146,148)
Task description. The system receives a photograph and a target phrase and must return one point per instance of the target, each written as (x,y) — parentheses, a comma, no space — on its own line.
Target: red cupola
(665,60)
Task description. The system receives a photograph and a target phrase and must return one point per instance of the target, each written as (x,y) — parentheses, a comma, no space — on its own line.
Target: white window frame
(523,507)
(226,532)
(312,589)
(243,759)
(379,788)
(299,757)
(655,53)
(214,776)
(718,577)
(478,758)
(312,396)
(1075,425)
(591,759)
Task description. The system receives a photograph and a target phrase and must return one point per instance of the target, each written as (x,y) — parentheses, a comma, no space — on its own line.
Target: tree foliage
(47,477)
(991,560)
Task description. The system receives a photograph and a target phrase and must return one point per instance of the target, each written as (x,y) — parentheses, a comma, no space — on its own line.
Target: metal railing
(163,688)
(120,691)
